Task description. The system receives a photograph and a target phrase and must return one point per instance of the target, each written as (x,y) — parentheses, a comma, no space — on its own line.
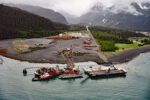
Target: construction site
(65,47)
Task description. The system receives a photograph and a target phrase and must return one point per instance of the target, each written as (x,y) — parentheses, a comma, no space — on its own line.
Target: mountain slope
(110,17)
(14,20)
(43,12)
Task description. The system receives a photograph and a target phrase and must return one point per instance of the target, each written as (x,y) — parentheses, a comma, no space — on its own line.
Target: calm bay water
(136,86)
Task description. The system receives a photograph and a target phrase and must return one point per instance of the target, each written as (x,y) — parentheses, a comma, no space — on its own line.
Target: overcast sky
(74,7)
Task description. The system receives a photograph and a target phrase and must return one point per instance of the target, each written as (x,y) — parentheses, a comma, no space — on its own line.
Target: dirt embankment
(129,54)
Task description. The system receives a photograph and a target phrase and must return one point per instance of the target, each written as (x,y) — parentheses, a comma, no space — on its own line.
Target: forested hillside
(108,37)
(16,23)
(43,12)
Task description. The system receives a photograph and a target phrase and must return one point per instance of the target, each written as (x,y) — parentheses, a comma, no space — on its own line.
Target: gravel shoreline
(128,55)
(122,57)
(50,55)
(60,60)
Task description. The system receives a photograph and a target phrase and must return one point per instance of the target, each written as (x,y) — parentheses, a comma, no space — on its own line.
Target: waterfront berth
(74,73)
(104,72)
(48,73)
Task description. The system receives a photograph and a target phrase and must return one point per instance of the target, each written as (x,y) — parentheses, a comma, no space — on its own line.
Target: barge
(70,76)
(105,72)
(70,73)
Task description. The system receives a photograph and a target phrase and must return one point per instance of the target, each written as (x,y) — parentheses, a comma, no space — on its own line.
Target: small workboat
(102,72)
(50,70)
(45,74)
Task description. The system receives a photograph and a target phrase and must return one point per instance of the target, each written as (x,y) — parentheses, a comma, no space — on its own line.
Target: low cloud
(77,7)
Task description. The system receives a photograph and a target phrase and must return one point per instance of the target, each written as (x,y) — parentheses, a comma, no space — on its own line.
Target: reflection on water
(84,80)
(135,86)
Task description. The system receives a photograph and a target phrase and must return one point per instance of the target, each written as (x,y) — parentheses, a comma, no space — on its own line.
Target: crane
(68,56)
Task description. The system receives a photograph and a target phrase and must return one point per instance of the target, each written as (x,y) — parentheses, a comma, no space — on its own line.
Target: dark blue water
(136,86)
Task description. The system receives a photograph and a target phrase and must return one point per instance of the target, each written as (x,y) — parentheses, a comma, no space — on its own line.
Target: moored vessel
(70,76)
(105,72)
(45,74)
(70,73)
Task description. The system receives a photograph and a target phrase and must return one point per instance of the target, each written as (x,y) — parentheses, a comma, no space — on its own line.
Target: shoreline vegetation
(120,45)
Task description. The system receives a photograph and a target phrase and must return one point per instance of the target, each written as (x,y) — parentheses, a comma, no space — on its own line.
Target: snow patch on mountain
(142,6)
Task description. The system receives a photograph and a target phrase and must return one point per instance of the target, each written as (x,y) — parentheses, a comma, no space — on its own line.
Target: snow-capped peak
(145,6)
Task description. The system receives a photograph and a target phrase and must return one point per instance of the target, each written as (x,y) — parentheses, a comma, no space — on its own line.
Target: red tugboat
(70,72)
(45,74)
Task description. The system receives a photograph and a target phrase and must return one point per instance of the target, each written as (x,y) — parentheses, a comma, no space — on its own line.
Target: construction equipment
(3,51)
(68,56)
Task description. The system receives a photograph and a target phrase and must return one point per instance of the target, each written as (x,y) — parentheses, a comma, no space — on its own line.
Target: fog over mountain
(43,12)
(124,14)
(137,19)
(78,7)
